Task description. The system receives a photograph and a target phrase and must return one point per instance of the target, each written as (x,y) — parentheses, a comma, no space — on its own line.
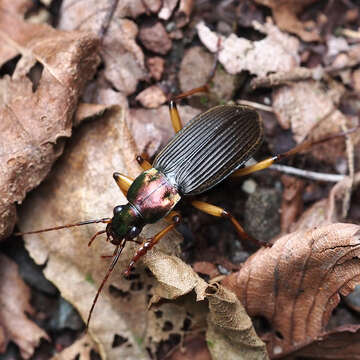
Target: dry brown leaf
(14,305)
(80,350)
(123,58)
(285,14)
(230,334)
(297,283)
(276,52)
(34,119)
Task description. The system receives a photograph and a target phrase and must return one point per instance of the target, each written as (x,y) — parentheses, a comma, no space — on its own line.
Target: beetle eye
(133,232)
(117,209)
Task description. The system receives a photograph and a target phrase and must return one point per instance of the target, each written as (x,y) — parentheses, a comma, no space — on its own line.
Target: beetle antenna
(86,222)
(117,253)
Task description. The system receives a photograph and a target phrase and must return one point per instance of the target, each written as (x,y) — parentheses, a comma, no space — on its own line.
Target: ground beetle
(212,146)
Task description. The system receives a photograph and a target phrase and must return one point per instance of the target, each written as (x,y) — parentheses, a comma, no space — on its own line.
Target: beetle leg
(123,182)
(174,114)
(143,162)
(220,212)
(148,244)
(306,145)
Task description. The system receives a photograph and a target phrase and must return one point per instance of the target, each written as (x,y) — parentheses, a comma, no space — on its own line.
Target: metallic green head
(125,224)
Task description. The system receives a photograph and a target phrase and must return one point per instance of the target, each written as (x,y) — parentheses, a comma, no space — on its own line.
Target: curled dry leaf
(14,305)
(81,187)
(230,333)
(323,264)
(276,52)
(285,15)
(34,116)
(123,58)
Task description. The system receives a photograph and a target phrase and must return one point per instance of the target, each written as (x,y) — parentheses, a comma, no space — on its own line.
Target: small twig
(300,73)
(307,173)
(256,105)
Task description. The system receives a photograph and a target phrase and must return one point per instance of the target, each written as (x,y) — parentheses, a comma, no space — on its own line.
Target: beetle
(209,148)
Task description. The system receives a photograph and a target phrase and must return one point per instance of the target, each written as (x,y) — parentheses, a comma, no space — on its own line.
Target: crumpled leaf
(323,264)
(14,305)
(35,118)
(285,15)
(230,333)
(276,52)
(123,58)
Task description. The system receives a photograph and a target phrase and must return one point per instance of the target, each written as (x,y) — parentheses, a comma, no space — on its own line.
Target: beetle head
(125,224)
